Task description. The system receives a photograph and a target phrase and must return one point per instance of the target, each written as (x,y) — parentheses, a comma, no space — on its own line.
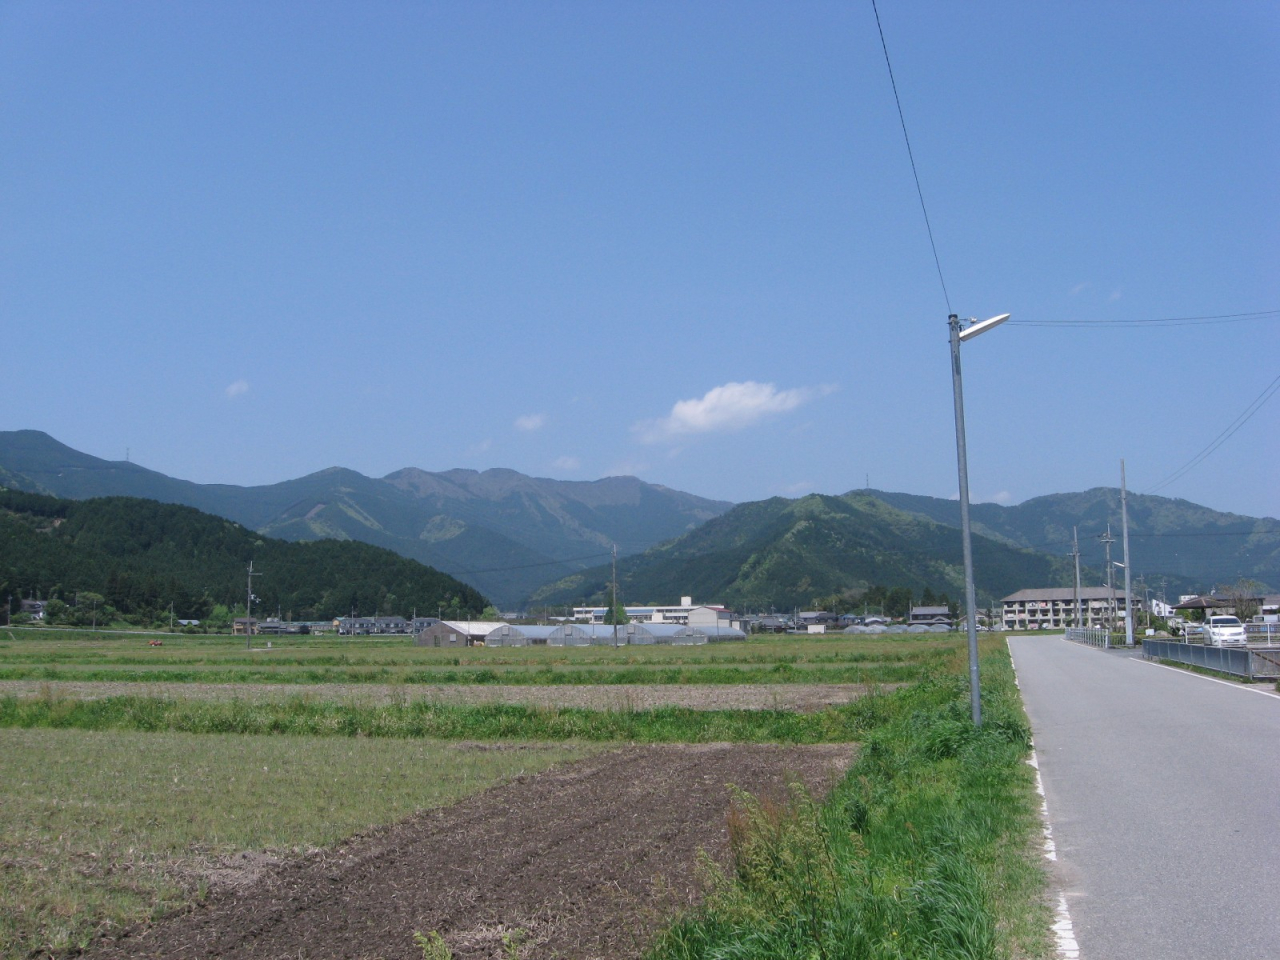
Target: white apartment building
(1053,608)
(673,614)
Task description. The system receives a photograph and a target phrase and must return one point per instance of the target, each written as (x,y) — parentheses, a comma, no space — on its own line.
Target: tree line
(141,562)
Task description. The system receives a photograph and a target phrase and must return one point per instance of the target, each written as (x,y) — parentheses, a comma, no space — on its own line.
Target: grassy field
(101,828)
(88,648)
(925,850)
(87,657)
(124,805)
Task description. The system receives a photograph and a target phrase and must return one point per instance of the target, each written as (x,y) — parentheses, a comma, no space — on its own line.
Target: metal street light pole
(1128,585)
(959,334)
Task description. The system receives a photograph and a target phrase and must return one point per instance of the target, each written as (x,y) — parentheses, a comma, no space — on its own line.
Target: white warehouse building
(678,613)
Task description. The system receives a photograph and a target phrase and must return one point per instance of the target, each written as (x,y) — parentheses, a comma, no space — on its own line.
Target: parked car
(1222,631)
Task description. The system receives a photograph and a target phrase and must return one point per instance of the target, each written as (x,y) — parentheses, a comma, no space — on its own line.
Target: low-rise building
(372,626)
(930,616)
(442,634)
(676,613)
(1052,608)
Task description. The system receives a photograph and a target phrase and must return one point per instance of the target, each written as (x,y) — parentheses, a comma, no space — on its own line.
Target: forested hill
(816,551)
(140,556)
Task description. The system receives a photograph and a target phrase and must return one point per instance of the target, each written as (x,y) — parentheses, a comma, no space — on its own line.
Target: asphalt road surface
(1163,789)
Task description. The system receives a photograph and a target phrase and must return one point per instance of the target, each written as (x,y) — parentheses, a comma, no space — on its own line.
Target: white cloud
(1080,288)
(237,389)
(531,421)
(1004,498)
(567,463)
(1115,295)
(732,406)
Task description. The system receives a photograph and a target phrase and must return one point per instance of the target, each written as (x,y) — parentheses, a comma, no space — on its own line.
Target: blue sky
(681,240)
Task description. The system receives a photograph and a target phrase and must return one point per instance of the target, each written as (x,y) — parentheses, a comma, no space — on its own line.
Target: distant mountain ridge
(514,537)
(500,531)
(786,553)
(1190,546)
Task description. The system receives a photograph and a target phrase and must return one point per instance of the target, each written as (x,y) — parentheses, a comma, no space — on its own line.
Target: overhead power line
(911,156)
(1155,321)
(1223,437)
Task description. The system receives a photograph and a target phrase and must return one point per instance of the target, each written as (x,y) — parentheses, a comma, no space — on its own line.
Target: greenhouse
(584,634)
(510,635)
(634,634)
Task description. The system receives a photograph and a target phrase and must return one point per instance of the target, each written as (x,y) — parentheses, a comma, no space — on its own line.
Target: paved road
(1163,790)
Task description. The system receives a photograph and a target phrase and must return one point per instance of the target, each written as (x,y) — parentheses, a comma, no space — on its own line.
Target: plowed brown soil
(586,861)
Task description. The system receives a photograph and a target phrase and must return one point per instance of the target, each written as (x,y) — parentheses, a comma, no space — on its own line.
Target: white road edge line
(1201,676)
(1063,931)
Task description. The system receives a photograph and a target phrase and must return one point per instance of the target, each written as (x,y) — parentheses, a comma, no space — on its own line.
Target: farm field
(795,697)
(85,657)
(99,829)
(123,806)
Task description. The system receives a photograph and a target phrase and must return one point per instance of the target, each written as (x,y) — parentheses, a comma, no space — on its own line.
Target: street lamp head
(971,331)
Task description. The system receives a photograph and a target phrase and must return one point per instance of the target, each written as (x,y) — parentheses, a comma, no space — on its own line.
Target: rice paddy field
(836,658)
(139,779)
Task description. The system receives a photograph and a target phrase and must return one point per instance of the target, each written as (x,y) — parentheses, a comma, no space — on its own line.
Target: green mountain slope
(786,553)
(141,555)
(1192,547)
(501,531)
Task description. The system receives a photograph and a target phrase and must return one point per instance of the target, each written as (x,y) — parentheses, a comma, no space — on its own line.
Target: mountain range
(801,553)
(503,532)
(1188,547)
(518,538)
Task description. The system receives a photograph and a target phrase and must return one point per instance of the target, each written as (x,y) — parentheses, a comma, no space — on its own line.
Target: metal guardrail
(1268,633)
(1093,636)
(1252,662)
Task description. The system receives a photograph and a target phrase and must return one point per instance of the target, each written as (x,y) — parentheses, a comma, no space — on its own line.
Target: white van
(1223,631)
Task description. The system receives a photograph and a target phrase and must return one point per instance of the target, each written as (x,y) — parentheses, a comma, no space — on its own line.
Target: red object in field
(156,643)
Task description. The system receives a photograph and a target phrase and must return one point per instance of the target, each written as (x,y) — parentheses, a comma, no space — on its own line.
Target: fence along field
(125,841)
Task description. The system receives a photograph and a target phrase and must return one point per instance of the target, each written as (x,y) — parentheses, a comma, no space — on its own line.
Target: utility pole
(1107,540)
(613,599)
(1128,586)
(248,608)
(1075,553)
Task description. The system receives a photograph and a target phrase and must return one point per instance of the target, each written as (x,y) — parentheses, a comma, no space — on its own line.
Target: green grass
(927,849)
(87,658)
(519,676)
(104,828)
(87,648)
(305,717)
